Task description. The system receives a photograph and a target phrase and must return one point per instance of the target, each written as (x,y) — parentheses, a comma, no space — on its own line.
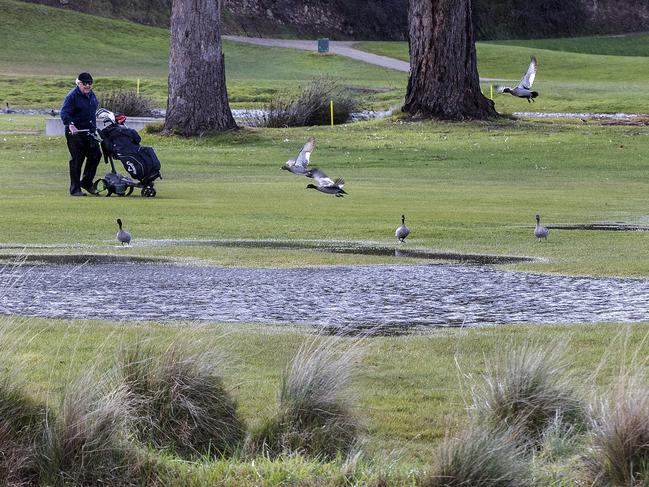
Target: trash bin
(323,45)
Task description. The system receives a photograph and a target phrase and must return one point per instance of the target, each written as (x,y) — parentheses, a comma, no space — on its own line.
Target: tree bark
(444,81)
(197,98)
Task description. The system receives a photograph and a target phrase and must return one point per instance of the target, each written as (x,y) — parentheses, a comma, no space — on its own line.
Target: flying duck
(524,87)
(326,185)
(122,235)
(299,164)
(540,231)
(403,231)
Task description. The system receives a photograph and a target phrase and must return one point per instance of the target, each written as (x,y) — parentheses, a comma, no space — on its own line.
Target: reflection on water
(360,296)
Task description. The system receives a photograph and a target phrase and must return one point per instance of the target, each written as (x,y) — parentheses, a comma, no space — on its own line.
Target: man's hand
(73,130)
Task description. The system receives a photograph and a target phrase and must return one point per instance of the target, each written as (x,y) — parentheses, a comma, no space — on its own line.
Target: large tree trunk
(197,100)
(444,80)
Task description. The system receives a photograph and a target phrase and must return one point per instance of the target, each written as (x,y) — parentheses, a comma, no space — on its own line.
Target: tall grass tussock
(311,106)
(480,457)
(529,387)
(180,401)
(89,441)
(126,102)
(619,454)
(316,413)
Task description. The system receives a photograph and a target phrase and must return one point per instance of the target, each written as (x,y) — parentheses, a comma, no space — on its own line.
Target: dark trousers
(82,147)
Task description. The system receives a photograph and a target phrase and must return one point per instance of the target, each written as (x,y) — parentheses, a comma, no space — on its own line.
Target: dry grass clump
(88,442)
(480,457)
(126,102)
(620,434)
(528,388)
(311,106)
(316,414)
(181,402)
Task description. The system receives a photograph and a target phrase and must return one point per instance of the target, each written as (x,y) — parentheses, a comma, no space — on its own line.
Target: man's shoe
(91,190)
(78,193)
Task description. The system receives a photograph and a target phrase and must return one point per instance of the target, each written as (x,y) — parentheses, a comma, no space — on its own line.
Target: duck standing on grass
(122,235)
(300,164)
(403,231)
(326,185)
(524,87)
(540,232)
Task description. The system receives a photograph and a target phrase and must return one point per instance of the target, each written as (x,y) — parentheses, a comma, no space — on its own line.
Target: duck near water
(300,164)
(524,87)
(122,235)
(326,185)
(402,231)
(540,232)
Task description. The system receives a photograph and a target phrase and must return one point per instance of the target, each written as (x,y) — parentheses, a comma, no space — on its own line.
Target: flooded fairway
(390,297)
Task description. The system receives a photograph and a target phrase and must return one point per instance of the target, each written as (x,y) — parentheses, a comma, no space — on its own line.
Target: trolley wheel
(101,187)
(148,192)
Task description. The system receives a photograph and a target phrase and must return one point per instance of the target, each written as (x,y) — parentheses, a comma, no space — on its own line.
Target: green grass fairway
(471,188)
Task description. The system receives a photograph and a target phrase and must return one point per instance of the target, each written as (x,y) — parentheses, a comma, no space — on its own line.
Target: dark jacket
(80,109)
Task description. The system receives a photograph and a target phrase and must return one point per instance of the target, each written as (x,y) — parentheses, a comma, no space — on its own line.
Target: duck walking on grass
(402,231)
(300,164)
(326,185)
(524,87)
(122,235)
(540,232)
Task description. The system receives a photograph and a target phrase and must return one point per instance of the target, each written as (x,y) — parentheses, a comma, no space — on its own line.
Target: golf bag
(121,142)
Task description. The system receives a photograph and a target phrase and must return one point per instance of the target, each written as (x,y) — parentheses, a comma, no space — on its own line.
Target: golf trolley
(121,142)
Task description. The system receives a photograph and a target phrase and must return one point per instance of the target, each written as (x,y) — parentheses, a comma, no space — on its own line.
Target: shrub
(181,402)
(310,106)
(528,388)
(620,427)
(316,410)
(87,443)
(479,457)
(127,102)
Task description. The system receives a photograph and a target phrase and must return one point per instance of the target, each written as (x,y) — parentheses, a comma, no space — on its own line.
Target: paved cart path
(342,48)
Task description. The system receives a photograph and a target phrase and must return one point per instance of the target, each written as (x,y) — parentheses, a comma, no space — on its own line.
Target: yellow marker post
(491,92)
(331,111)
(138,86)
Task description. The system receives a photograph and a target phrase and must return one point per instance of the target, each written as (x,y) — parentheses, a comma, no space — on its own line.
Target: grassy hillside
(567,81)
(40,58)
(118,52)
(618,45)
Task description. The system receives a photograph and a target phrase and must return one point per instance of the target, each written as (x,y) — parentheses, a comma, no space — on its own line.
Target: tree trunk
(444,80)
(198,99)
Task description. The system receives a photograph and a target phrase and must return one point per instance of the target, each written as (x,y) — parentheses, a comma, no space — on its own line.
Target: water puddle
(610,227)
(347,247)
(392,297)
